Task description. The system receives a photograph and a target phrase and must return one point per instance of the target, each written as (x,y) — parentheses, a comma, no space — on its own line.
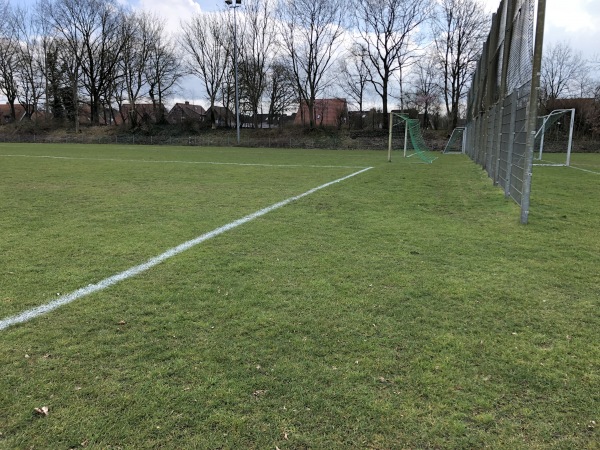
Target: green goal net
(405,134)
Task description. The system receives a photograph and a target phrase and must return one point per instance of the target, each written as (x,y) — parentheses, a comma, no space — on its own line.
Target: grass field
(404,307)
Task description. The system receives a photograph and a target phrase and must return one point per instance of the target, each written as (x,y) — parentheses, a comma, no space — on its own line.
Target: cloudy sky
(576,22)
(573,21)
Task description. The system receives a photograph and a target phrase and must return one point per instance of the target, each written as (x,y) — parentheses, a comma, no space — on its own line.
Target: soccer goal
(456,143)
(406,133)
(546,124)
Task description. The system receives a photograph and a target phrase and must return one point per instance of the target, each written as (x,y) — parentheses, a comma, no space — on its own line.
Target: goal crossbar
(456,142)
(546,122)
(412,132)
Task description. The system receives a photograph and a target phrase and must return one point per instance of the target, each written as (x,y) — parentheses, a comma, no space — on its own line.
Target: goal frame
(542,131)
(412,131)
(462,141)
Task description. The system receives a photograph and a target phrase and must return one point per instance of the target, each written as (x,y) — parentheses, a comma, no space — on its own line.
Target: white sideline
(570,167)
(133,271)
(584,170)
(213,163)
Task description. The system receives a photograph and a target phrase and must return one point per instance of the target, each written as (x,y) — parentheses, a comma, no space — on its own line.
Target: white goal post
(456,142)
(546,122)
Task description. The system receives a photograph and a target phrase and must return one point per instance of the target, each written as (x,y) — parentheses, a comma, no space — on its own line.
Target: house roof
(220,110)
(143,110)
(191,110)
(5,112)
(186,111)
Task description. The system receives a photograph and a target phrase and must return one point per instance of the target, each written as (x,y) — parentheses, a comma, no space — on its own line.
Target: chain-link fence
(503,99)
(349,141)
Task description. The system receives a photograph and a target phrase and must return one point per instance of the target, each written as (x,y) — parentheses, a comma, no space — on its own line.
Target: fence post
(511,142)
(532,108)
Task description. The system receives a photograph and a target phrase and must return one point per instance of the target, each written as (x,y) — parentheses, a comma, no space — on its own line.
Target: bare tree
(8,56)
(426,93)
(5,11)
(228,95)
(388,30)
(256,52)
(94,32)
(560,66)
(163,73)
(311,33)
(143,32)
(460,27)
(281,89)
(354,76)
(205,39)
(30,60)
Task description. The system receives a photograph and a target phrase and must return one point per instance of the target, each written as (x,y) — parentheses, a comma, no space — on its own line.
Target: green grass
(402,308)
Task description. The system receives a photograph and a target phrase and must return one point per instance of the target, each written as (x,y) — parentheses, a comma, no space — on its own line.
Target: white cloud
(172,11)
(573,16)
(576,22)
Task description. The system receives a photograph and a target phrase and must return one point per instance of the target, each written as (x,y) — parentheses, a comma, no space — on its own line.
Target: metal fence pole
(532,108)
(511,142)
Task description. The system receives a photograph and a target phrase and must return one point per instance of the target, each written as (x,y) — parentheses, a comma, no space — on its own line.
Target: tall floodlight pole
(231,4)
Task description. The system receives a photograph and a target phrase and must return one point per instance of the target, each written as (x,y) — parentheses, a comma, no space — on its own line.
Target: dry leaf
(122,322)
(43,411)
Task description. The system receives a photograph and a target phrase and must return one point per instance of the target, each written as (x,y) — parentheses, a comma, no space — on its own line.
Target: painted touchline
(133,271)
(584,170)
(214,163)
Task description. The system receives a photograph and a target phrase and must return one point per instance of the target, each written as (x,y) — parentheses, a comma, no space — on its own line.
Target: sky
(576,22)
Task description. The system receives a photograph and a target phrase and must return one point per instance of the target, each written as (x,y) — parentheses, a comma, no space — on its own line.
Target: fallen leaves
(43,411)
(259,393)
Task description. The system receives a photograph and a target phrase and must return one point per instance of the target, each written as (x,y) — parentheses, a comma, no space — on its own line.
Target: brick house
(329,112)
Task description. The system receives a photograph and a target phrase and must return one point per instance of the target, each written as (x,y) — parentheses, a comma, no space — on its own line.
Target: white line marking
(183,162)
(570,167)
(136,270)
(584,170)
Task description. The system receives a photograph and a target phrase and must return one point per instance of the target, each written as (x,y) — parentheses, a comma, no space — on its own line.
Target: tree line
(63,54)
(568,80)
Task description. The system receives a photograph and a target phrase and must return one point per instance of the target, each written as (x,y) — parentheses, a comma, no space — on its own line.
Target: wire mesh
(409,130)
(455,143)
(498,101)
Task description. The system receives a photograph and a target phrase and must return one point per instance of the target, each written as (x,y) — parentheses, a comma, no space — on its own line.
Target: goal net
(552,143)
(456,142)
(405,135)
